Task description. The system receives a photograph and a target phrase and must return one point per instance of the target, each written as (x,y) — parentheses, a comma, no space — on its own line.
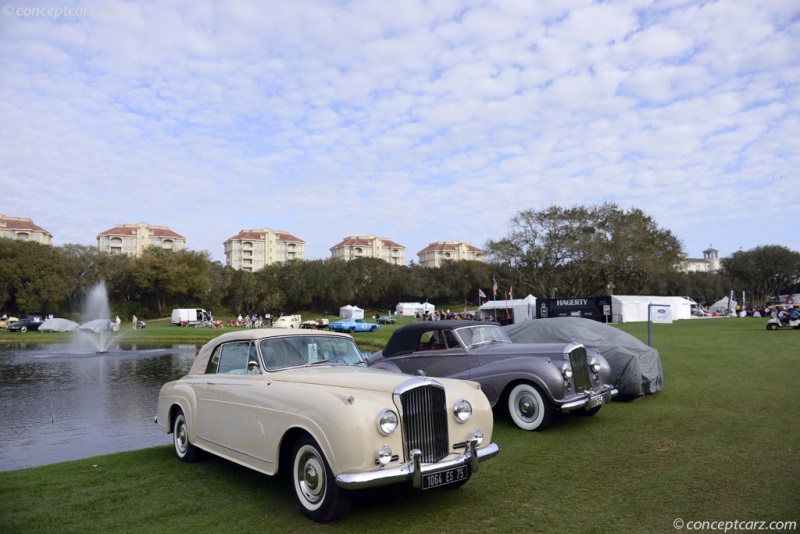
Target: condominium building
(708,264)
(133,239)
(369,246)
(23,229)
(252,250)
(436,253)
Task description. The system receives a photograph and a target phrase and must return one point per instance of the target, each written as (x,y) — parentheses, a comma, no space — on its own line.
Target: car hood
(514,350)
(342,376)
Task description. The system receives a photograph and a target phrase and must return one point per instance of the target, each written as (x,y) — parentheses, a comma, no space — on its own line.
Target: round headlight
(594,365)
(387,421)
(567,370)
(462,410)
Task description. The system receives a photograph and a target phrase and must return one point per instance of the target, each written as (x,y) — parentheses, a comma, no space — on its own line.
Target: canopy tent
(635,367)
(724,306)
(410,308)
(351,312)
(633,308)
(509,311)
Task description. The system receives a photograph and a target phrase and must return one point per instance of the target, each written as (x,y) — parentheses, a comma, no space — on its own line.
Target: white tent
(410,308)
(351,312)
(724,306)
(518,310)
(633,308)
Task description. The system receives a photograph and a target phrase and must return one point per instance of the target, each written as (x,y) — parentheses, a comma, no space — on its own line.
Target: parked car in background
(58,325)
(353,325)
(5,320)
(316,324)
(386,319)
(532,380)
(288,321)
(190,316)
(99,325)
(304,402)
(32,322)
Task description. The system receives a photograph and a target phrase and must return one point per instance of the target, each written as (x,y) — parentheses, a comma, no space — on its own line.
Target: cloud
(412,121)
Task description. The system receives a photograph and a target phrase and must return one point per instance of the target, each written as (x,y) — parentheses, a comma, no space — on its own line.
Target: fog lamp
(567,370)
(384,455)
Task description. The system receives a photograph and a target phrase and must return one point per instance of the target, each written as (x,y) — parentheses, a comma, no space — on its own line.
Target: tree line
(555,252)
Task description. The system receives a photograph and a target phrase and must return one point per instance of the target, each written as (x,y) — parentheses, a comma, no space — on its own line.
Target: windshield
(282,352)
(478,335)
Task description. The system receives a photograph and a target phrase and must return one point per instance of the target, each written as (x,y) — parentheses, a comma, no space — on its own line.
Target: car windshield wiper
(316,363)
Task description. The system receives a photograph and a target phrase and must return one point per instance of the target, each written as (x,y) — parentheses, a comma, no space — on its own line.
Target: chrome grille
(424,420)
(580,371)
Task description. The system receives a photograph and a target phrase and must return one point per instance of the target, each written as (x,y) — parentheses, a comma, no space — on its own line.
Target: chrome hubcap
(311,478)
(526,407)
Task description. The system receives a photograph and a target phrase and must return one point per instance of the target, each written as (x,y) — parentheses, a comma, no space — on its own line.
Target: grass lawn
(720,442)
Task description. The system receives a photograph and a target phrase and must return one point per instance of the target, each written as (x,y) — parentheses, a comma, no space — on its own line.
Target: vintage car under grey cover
(635,367)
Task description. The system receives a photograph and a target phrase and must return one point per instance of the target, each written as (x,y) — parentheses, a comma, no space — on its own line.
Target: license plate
(597,400)
(443,478)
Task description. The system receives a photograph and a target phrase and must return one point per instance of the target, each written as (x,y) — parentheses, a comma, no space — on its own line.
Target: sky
(417,121)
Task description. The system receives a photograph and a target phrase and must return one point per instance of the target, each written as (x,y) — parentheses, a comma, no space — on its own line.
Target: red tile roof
(259,234)
(155,231)
(359,241)
(443,246)
(19,223)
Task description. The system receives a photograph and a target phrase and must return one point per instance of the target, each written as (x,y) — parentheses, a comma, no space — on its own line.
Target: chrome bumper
(584,402)
(414,470)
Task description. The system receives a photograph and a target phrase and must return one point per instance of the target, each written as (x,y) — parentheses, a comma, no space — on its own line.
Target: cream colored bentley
(304,401)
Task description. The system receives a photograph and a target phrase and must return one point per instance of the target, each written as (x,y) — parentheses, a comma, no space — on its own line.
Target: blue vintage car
(353,325)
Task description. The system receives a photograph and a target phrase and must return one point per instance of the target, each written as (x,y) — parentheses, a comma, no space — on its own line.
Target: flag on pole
(494,287)
(481,294)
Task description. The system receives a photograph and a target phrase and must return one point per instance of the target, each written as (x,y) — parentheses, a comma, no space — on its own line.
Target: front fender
(497,377)
(346,429)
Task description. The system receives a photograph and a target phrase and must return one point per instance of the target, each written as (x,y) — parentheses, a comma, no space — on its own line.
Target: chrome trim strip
(237,451)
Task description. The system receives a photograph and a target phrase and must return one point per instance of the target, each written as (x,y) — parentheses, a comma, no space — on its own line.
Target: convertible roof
(404,339)
(252,334)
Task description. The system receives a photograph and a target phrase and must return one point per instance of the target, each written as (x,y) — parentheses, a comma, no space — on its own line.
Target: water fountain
(97,326)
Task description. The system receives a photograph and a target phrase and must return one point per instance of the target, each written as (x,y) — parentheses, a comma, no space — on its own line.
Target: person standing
(135,322)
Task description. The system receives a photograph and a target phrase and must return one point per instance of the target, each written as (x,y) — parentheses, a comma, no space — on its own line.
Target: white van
(288,321)
(190,316)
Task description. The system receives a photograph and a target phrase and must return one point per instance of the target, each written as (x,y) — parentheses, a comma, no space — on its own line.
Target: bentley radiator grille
(580,371)
(425,422)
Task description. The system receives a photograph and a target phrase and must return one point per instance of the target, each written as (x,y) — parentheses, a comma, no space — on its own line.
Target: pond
(64,402)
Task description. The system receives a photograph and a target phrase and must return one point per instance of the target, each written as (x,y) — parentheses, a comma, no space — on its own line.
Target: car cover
(635,367)
(58,325)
